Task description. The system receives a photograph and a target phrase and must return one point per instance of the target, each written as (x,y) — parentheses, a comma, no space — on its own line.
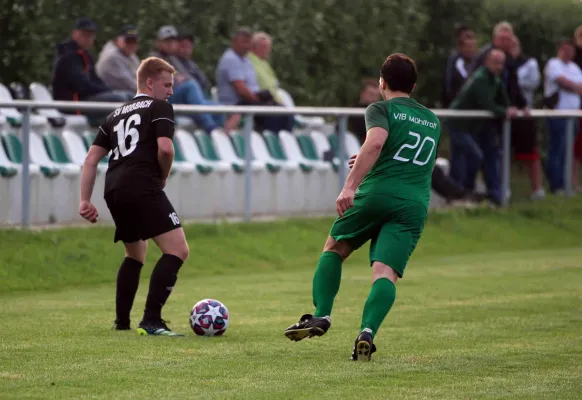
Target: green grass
(490,307)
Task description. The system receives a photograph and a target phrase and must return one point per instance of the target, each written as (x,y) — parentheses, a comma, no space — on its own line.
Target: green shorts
(393,225)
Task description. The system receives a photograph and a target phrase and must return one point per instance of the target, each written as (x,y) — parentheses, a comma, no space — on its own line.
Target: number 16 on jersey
(123,130)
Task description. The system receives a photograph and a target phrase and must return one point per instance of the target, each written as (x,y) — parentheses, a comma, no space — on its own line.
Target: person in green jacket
(475,142)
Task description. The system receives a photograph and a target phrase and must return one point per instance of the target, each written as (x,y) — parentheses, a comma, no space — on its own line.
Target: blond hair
(502,26)
(259,36)
(151,67)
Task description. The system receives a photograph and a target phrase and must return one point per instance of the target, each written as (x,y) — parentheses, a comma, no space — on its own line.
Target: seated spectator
(475,142)
(261,45)
(562,91)
(237,84)
(578,143)
(457,68)
(118,62)
(524,139)
(74,76)
(187,89)
(184,52)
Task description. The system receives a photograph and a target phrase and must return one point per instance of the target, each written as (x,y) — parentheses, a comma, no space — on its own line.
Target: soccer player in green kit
(384,200)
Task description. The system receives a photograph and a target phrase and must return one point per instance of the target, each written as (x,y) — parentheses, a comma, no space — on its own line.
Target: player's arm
(165,155)
(97,151)
(377,124)
(163,120)
(367,157)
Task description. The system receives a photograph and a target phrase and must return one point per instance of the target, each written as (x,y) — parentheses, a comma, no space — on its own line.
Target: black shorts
(524,140)
(141,217)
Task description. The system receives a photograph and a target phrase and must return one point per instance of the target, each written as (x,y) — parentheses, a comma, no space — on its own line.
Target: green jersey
(404,167)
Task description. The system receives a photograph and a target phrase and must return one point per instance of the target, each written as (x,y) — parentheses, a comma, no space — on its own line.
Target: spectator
(502,39)
(562,90)
(187,89)
(369,94)
(184,54)
(261,45)
(523,131)
(475,142)
(237,83)
(74,76)
(578,143)
(456,70)
(118,62)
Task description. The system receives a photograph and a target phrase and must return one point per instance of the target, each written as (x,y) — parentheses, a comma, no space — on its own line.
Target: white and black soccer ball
(209,317)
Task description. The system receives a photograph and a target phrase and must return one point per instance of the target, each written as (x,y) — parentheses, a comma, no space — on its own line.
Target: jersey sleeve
(376,117)
(163,119)
(102,138)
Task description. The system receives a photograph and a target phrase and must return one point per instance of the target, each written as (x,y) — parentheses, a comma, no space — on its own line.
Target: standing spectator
(236,82)
(118,63)
(523,131)
(456,70)
(74,76)
(502,39)
(578,143)
(475,142)
(562,90)
(369,94)
(261,45)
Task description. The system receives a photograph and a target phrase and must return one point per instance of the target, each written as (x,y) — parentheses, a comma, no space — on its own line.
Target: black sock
(127,283)
(162,282)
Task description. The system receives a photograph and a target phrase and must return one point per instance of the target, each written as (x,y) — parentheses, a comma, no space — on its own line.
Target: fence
(249,111)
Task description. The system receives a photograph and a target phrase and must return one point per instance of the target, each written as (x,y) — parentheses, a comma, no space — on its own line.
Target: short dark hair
(242,31)
(368,82)
(566,42)
(399,72)
(460,29)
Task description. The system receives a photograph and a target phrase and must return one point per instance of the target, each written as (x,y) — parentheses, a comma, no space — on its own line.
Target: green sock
(378,304)
(326,282)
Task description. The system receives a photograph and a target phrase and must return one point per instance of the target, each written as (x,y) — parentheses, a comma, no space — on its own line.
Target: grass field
(490,307)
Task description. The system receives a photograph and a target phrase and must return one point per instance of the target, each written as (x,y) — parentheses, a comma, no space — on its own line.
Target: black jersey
(130,132)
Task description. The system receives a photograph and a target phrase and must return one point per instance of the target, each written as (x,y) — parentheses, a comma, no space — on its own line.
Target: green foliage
(321,50)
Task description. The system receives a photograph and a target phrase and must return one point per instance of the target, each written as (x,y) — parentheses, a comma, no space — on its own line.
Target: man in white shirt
(562,91)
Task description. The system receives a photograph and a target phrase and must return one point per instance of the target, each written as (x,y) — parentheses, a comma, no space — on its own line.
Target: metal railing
(250,111)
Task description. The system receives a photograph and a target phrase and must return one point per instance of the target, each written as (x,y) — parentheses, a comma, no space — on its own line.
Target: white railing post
(569,160)
(342,128)
(248,129)
(25,220)
(506,163)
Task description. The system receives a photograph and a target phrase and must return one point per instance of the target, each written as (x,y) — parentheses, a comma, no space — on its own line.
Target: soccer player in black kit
(139,136)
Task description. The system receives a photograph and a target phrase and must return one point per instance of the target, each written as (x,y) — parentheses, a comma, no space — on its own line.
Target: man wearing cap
(187,89)
(118,63)
(74,75)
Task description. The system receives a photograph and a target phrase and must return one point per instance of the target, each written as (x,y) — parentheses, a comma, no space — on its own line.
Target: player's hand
(344,201)
(352,161)
(526,112)
(88,211)
(511,112)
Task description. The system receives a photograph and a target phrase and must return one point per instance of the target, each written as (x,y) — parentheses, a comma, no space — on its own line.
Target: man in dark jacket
(458,62)
(476,141)
(74,76)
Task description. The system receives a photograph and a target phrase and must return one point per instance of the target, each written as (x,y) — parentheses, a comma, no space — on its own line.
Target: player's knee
(340,247)
(137,250)
(381,270)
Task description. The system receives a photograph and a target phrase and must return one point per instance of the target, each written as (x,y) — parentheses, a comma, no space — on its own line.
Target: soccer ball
(209,317)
